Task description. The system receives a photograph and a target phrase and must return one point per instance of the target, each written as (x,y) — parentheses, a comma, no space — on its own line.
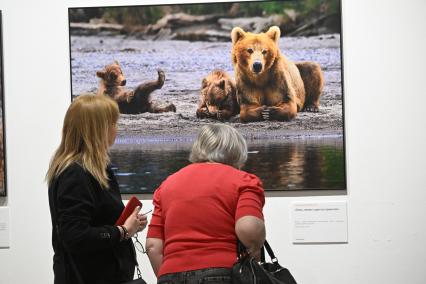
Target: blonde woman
(85,201)
(201,210)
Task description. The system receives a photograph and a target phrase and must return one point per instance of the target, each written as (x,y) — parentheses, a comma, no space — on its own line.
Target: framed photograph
(271,69)
(2,129)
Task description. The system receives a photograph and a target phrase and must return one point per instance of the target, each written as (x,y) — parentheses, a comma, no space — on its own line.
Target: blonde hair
(85,137)
(219,143)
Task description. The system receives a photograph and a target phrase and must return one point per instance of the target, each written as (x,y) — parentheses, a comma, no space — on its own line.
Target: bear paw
(161,77)
(171,107)
(203,113)
(130,98)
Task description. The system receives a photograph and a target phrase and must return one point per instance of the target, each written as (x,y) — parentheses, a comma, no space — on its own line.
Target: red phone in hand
(128,210)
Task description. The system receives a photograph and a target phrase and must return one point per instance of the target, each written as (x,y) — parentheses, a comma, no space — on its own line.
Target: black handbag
(248,271)
(138,280)
(135,281)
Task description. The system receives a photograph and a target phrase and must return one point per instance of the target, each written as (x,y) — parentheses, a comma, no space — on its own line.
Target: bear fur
(218,99)
(270,86)
(130,101)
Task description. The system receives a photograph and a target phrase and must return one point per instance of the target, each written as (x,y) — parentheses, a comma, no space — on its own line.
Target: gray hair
(219,143)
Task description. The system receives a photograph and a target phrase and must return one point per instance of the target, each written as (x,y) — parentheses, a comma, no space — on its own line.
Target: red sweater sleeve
(156,226)
(251,198)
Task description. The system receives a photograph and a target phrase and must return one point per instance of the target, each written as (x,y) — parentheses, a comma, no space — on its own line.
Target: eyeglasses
(138,244)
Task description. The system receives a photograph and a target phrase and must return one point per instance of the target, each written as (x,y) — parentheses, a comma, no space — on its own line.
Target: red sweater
(195,211)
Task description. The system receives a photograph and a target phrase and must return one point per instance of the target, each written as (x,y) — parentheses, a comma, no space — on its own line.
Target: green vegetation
(203,9)
(303,7)
(143,15)
(134,15)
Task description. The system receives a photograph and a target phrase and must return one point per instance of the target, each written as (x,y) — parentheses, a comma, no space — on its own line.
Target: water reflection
(294,165)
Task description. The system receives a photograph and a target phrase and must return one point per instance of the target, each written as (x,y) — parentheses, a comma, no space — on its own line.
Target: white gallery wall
(384,45)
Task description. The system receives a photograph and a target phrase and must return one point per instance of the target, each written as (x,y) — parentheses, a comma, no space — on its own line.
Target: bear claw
(312,109)
(219,114)
(266,114)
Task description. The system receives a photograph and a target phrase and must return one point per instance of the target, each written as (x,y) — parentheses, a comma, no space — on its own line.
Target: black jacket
(85,241)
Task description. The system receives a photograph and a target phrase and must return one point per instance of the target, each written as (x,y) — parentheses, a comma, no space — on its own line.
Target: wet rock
(201,33)
(94,28)
(173,21)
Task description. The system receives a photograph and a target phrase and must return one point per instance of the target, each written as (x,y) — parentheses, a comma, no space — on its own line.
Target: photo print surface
(271,69)
(2,139)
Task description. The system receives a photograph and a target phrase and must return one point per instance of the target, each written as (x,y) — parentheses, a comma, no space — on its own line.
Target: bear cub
(130,101)
(218,99)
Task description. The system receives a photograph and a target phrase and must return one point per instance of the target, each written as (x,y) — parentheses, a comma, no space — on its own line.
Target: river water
(297,164)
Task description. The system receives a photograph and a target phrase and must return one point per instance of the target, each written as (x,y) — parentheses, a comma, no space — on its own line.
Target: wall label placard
(320,222)
(4,227)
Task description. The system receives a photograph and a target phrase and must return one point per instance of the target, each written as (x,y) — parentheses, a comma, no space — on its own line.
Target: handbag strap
(242,251)
(135,254)
(138,271)
(270,252)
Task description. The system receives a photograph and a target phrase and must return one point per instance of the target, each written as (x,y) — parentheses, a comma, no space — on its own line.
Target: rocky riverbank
(185,64)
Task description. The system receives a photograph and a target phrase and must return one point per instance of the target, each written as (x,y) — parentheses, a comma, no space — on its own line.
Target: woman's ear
(204,83)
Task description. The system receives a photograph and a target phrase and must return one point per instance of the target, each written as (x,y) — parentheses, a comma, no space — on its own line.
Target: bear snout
(257,66)
(123,83)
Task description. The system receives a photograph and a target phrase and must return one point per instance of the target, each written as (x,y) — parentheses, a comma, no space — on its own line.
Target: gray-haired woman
(202,209)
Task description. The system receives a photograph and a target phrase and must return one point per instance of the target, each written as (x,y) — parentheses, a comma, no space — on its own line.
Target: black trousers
(208,276)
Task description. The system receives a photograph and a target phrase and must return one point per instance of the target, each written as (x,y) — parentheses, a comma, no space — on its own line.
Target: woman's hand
(135,222)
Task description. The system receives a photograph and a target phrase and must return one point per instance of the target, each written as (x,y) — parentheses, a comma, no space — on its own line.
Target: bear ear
(274,33)
(116,62)
(237,34)
(100,74)
(222,84)
(204,83)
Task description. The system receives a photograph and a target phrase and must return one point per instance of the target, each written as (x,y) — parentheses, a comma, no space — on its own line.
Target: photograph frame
(3,167)
(344,166)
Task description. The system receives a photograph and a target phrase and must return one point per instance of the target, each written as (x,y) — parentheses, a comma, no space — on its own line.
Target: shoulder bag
(248,271)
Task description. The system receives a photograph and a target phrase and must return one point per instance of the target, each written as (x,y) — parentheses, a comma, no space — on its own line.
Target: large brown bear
(218,99)
(270,86)
(130,101)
